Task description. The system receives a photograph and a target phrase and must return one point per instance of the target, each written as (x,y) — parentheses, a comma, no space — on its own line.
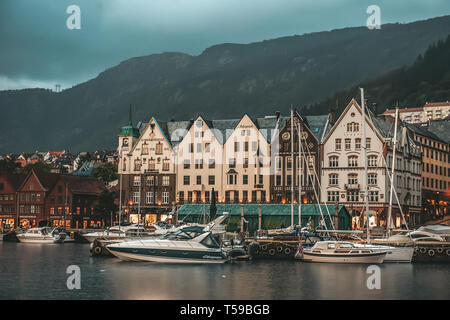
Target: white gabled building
(343,176)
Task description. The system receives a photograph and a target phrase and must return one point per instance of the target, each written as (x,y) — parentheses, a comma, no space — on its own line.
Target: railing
(352,186)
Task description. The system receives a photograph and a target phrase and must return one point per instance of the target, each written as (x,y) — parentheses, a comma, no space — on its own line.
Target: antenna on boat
(366,191)
(300,163)
(292,166)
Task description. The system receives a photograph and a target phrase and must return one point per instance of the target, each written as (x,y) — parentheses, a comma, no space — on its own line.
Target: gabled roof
(46,180)
(83,185)
(418,129)
(440,128)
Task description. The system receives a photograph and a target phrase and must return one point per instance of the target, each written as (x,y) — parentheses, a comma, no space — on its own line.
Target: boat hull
(168,256)
(35,240)
(376,258)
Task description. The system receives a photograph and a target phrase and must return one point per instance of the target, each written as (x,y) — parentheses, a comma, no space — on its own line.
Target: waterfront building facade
(147,169)
(285,180)
(435,171)
(343,176)
(9,184)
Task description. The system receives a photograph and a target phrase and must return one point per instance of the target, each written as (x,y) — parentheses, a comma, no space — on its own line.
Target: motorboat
(191,244)
(340,252)
(409,238)
(124,232)
(393,254)
(42,235)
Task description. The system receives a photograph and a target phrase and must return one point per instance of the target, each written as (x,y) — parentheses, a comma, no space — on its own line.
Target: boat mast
(300,162)
(120,188)
(139,203)
(389,218)
(292,167)
(65,206)
(366,192)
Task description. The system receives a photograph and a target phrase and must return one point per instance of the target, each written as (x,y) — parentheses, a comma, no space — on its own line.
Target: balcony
(352,186)
(259,186)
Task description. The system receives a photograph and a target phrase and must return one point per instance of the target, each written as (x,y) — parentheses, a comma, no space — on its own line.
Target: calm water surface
(35,271)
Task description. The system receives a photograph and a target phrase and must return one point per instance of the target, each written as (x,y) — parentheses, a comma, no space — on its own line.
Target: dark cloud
(38,50)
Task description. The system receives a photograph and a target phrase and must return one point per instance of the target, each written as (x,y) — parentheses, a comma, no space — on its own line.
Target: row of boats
(198,243)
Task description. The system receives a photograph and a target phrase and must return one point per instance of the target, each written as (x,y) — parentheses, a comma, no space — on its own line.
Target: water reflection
(30,271)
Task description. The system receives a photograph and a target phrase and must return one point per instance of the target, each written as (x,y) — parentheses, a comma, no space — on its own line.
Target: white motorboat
(393,254)
(124,232)
(191,244)
(340,252)
(42,235)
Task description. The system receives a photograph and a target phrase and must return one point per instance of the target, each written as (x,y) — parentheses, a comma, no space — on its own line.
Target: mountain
(427,80)
(223,82)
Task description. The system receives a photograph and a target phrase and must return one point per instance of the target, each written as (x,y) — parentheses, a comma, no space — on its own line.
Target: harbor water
(36,271)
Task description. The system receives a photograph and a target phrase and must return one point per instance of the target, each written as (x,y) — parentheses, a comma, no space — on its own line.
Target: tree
(38,167)
(104,205)
(8,165)
(106,171)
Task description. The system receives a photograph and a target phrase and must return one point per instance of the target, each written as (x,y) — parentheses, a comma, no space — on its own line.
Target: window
(232,179)
(136,181)
(166,165)
(245,196)
(137,165)
(165,180)
(150,180)
(236,146)
(187,164)
(159,148)
(372,178)
(207,147)
(212,164)
(368,143)
(199,147)
(289,180)
(59,189)
(358,144)
(144,150)
(52,211)
(278,180)
(333,196)
(232,163)
(191,148)
(211,180)
(199,179)
(136,197)
(348,144)
(149,197)
(190,196)
(278,163)
(165,197)
(289,163)
(151,164)
(333,179)
(372,161)
(245,162)
(373,196)
(352,161)
(338,144)
(186,180)
(254,145)
(206,196)
(352,179)
(352,196)
(199,164)
(181,196)
(254,196)
(246,146)
(333,161)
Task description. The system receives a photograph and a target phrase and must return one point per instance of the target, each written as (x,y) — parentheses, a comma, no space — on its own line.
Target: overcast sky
(38,50)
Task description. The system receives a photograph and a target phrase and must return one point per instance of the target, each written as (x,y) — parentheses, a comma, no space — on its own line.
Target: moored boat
(190,244)
(340,252)
(42,235)
(393,254)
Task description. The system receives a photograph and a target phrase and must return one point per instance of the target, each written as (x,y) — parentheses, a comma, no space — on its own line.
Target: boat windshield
(184,234)
(210,242)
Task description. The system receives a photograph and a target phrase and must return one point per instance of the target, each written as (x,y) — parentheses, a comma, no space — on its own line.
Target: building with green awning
(273,216)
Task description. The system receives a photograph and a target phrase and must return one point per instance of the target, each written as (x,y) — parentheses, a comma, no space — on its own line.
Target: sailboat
(394,254)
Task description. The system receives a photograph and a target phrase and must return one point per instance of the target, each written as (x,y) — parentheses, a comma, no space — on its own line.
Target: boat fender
(272,252)
(423,250)
(98,250)
(416,249)
(440,250)
(264,247)
(448,252)
(279,248)
(253,248)
(236,252)
(287,251)
(431,252)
